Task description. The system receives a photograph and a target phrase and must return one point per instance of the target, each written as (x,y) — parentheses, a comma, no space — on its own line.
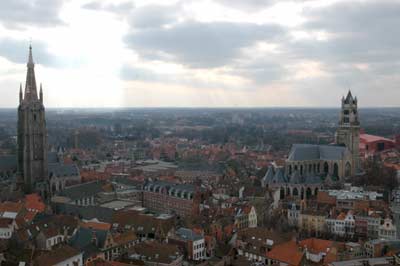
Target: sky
(202,53)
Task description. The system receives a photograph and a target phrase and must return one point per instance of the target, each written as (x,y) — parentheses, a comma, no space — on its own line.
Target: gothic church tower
(348,132)
(32,136)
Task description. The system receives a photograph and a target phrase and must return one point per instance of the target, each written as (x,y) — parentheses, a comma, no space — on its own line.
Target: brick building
(180,199)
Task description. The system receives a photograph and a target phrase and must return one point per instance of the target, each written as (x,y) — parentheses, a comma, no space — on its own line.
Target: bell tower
(32,136)
(348,132)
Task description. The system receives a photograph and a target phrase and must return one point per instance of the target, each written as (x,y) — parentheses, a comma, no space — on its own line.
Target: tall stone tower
(348,132)
(32,136)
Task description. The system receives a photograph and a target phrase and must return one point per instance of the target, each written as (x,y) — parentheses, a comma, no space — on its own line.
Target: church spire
(30,85)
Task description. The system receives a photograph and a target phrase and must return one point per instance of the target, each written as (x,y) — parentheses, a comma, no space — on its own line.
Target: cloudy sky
(211,53)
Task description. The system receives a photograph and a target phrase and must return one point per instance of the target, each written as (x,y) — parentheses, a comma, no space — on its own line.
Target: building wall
(160,202)
(6,232)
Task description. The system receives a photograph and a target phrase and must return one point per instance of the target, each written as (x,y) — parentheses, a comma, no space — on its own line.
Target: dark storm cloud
(200,45)
(21,13)
(153,16)
(362,32)
(13,50)
(120,8)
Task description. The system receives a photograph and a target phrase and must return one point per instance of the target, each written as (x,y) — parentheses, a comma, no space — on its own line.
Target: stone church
(37,169)
(32,163)
(310,166)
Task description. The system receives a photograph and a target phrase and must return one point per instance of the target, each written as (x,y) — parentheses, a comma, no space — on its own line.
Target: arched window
(308,193)
(326,168)
(290,169)
(282,193)
(347,169)
(301,169)
(295,192)
(335,170)
(302,193)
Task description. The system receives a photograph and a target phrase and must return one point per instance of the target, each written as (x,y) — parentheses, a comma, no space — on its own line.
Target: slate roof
(269,175)
(279,176)
(83,240)
(86,212)
(173,189)
(83,190)
(188,234)
(146,224)
(309,152)
(60,170)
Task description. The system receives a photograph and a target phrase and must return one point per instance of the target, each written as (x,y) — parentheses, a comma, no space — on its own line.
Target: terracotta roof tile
(287,252)
(316,245)
(96,225)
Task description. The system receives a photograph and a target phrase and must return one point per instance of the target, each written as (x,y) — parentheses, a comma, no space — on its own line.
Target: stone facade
(348,132)
(32,137)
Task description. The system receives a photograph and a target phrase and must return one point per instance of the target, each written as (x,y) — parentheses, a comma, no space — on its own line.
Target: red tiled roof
(56,256)
(34,202)
(316,245)
(373,138)
(9,206)
(29,216)
(96,225)
(287,252)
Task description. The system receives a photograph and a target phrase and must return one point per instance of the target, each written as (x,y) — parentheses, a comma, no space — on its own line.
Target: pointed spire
(30,85)
(349,97)
(30,59)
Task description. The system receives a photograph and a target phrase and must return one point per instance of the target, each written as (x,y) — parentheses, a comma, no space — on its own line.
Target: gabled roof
(316,245)
(349,98)
(63,170)
(309,152)
(188,234)
(34,202)
(287,252)
(56,256)
(155,252)
(83,238)
(269,175)
(102,214)
(279,176)
(83,190)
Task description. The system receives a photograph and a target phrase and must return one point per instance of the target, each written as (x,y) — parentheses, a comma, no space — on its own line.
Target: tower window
(34,117)
(346,112)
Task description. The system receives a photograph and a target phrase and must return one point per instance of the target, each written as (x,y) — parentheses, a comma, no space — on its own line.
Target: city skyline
(208,53)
